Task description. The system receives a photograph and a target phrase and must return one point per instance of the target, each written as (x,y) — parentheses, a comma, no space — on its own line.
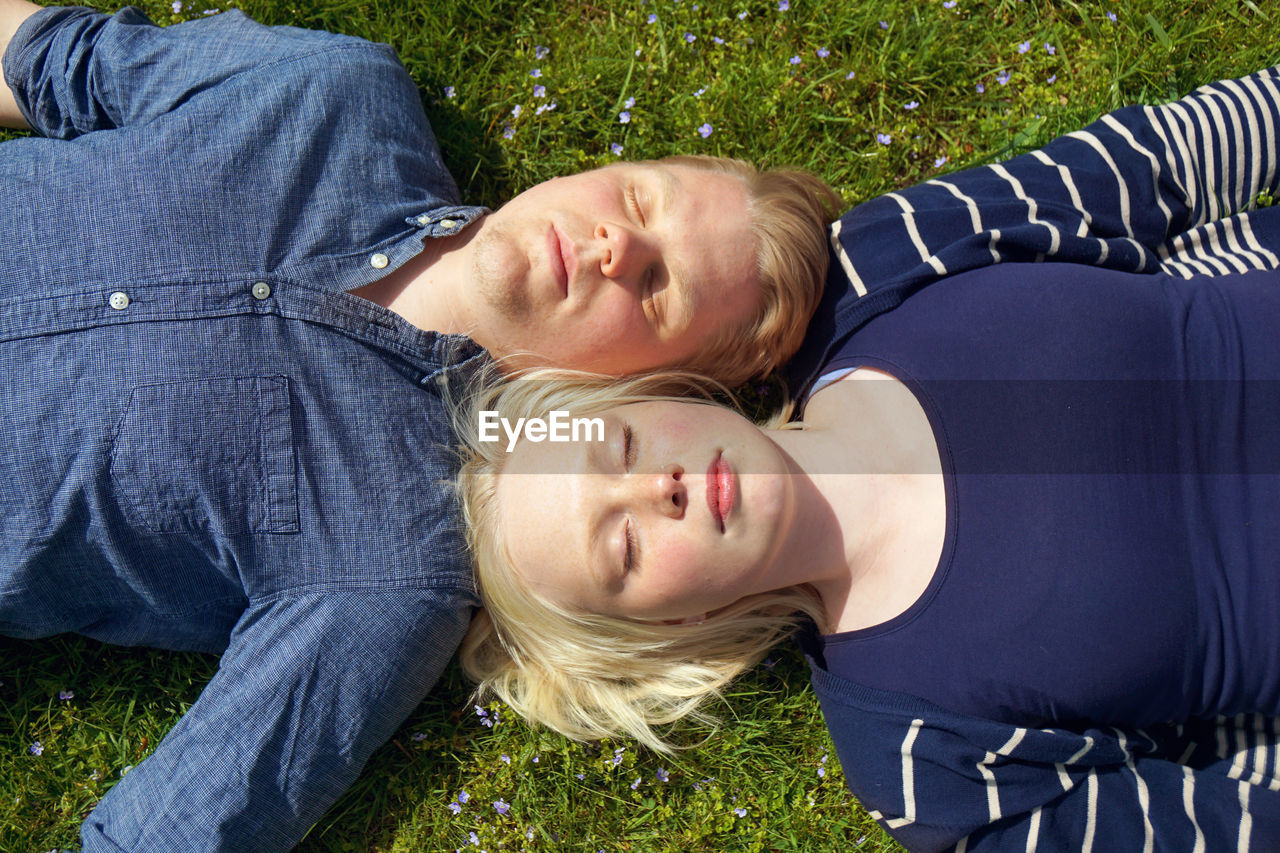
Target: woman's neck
(871,497)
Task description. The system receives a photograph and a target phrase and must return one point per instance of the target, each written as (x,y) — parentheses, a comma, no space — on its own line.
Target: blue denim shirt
(208,443)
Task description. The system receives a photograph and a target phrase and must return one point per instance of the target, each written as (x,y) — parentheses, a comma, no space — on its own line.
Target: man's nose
(624,253)
(662,491)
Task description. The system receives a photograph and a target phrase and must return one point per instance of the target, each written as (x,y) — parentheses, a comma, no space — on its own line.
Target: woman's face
(680,510)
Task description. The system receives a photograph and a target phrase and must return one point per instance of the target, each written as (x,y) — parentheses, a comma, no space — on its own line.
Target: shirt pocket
(210,455)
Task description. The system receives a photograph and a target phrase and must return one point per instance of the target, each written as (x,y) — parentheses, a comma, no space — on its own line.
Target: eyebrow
(687,306)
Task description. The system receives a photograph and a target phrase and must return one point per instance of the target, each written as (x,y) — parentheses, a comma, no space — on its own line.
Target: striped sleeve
(938,781)
(1166,188)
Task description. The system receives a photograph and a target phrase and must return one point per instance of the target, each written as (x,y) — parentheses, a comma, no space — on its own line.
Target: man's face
(616,270)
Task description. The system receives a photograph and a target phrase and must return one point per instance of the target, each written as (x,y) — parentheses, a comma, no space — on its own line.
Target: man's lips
(555,254)
(720,489)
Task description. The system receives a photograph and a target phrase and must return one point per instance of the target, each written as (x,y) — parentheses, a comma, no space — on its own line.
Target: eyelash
(635,204)
(628,459)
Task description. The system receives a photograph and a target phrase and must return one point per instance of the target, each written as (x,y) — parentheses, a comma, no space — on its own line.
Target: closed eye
(634,203)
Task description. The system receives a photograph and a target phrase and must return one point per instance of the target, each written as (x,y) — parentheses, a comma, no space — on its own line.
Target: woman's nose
(664,491)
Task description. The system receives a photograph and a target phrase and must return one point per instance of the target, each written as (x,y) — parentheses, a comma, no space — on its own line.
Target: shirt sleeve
(74,70)
(306,691)
(1142,189)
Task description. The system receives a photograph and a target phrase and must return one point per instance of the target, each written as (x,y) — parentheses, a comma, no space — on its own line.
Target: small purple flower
(883,138)
(449,92)
(616,148)
(36,748)
(504,758)
(539,90)
(784,5)
(418,737)
(475,839)
(822,772)
(508,132)
(717,39)
(540,52)
(705,130)
(580,776)
(690,38)
(663,775)
(537,72)
(1003,78)
(177,6)
(981,88)
(66,695)
(455,808)
(516,110)
(740,812)
(822,52)
(742,16)
(652,19)
(884,25)
(635,784)
(910,105)
(795,60)
(1023,47)
(501,807)
(1049,49)
(481,712)
(851,75)
(770,663)
(1052,79)
(624,117)
(617,755)
(1111,16)
(545,108)
(938,163)
(950,4)
(629,103)
(464,797)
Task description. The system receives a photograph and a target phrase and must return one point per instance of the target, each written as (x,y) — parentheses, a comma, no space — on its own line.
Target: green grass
(766,757)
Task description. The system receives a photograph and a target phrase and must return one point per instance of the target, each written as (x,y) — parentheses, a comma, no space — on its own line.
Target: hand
(12,14)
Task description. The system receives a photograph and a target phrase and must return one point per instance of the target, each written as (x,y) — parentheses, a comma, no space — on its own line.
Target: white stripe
(1092,141)
(1185,249)
(1186,756)
(1012,743)
(1091,819)
(963,845)
(1246,820)
(1253,243)
(1256,151)
(1119,128)
(1275,770)
(1221,727)
(1144,795)
(1268,141)
(993,792)
(1218,251)
(1088,745)
(1241,749)
(1237,201)
(845,263)
(1229,228)
(1033,831)
(1259,752)
(1064,175)
(1168,115)
(975,215)
(910,222)
(1154,118)
(1055,237)
(1063,778)
(1188,803)
(1210,168)
(908,777)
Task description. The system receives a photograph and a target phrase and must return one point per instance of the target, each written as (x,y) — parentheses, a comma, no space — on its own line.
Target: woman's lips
(720,490)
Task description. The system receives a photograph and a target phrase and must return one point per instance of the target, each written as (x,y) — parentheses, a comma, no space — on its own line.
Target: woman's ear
(688,620)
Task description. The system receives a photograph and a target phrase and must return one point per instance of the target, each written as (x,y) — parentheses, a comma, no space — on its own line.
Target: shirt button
(378,261)
(448,224)
(118,300)
(423,219)
(261,290)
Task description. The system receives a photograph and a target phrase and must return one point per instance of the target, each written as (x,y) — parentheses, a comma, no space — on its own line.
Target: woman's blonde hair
(789,210)
(585,675)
